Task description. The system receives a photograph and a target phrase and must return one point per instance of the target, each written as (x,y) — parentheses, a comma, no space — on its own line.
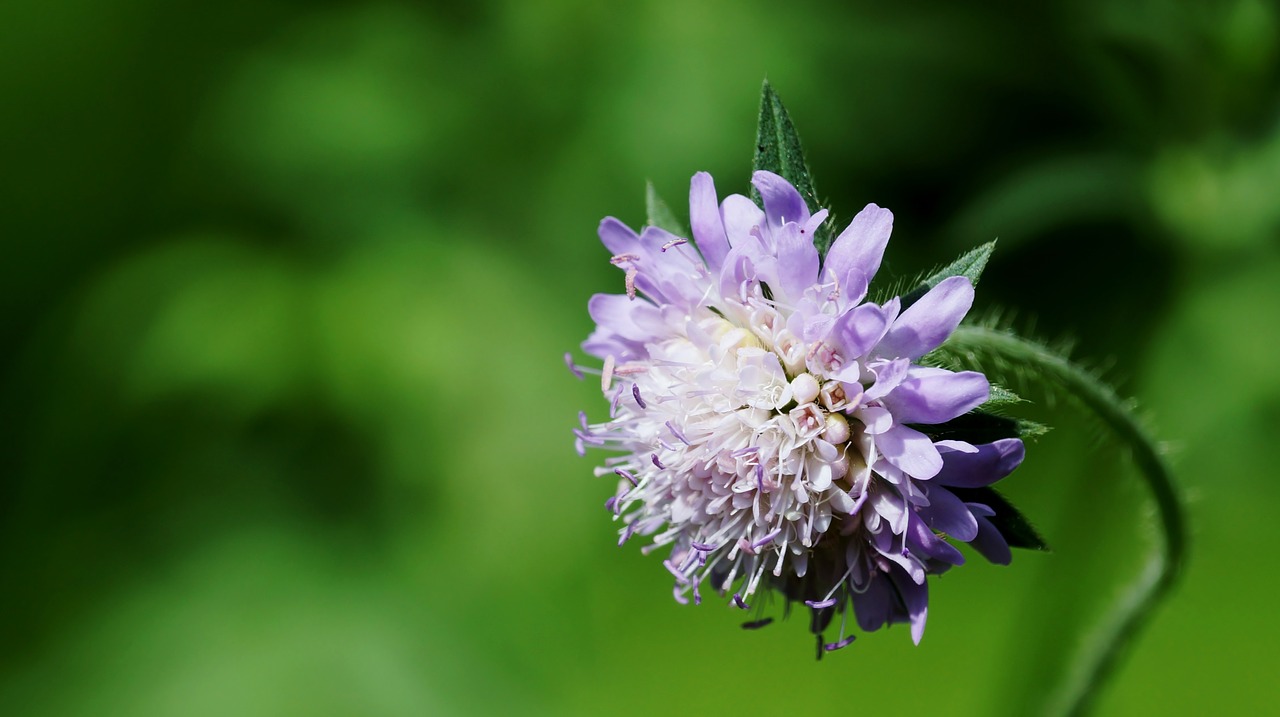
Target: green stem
(1098,657)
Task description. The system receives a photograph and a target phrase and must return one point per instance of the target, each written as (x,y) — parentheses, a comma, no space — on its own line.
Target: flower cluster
(770,425)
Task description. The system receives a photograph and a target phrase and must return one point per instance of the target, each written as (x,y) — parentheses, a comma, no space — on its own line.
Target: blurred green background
(285,288)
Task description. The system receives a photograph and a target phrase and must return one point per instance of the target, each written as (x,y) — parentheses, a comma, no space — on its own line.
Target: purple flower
(765,418)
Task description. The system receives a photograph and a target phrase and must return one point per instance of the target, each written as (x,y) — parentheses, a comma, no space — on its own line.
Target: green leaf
(659,214)
(1031,429)
(979,426)
(969,265)
(1001,396)
(778,150)
(1016,529)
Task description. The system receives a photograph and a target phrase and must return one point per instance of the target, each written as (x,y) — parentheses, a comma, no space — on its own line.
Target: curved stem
(1100,652)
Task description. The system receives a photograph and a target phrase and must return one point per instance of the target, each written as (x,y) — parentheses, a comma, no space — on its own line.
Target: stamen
(671,567)
(833,646)
(767,539)
(742,451)
(606,376)
(635,391)
(627,533)
(840,582)
(689,560)
(627,474)
(673,242)
(568,361)
(630,282)
(623,258)
(756,624)
(676,432)
(819,604)
(704,547)
(588,437)
(673,364)
(737,600)
(656,462)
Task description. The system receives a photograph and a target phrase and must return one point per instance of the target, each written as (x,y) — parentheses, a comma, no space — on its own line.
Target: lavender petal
(990,463)
(928,322)
(934,395)
(782,203)
(861,245)
(707,224)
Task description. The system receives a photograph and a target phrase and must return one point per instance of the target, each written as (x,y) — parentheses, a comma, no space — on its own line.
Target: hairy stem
(1099,655)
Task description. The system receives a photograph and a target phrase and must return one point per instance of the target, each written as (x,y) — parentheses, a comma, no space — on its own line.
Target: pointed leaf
(1015,528)
(969,265)
(1001,396)
(659,214)
(778,150)
(974,427)
(979,426)
(1031,429)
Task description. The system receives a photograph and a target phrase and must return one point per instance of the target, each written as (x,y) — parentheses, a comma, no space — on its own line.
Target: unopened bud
(804,388)
(837,430)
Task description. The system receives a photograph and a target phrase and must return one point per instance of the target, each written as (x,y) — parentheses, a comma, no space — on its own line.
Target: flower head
(769,424)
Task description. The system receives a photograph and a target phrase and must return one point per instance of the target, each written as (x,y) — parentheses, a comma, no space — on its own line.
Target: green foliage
(984,426)
(1001,396)
(778,150)
(969,265)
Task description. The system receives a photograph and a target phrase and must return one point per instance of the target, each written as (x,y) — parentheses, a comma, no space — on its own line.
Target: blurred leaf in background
(285,286)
